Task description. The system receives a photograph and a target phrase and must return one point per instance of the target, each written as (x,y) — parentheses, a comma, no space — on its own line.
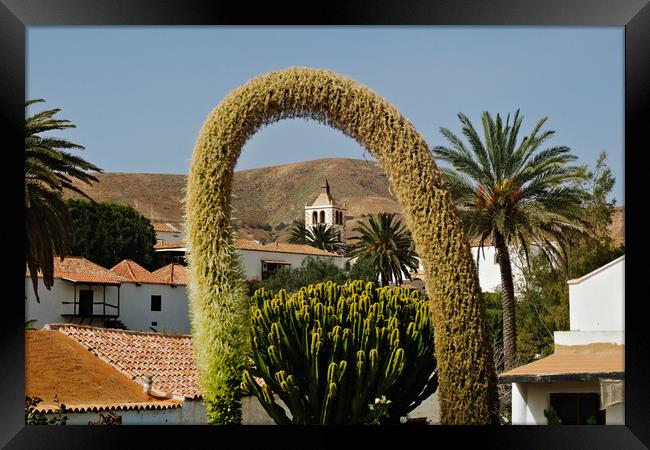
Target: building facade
(582,382)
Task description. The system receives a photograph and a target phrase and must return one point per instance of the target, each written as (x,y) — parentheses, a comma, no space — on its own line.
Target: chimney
(147,384)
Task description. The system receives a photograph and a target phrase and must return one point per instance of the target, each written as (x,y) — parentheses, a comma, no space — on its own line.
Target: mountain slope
(268,199)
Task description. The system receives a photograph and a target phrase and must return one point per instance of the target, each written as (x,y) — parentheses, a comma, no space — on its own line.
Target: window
(322,217)
(578,409)
(314,218)
(155,302)
(271,267)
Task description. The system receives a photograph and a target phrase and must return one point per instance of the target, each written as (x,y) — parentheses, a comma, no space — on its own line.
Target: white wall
(596,301)
(135,305)
(252,261)
(136,313)
(489,274)
(529,400)
(192,412)
(518,406)
(50,307)
(169,237)
(253,413)
(588,337)
(429,408)
(615,414)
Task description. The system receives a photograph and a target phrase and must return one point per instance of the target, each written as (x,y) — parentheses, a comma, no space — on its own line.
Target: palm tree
(298,233)
(385,241)
(513,194)
(48,171)
(321,235)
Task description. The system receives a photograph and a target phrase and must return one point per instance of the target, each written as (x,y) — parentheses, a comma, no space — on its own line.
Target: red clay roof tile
(167,358)
(135,272)
(58,365)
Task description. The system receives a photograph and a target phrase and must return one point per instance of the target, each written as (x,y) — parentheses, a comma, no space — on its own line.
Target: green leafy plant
(363,269)
(311,271)
(512,193)
(50,168)
(385,241)
(378,410)
(35,417)
(552,417)
(329,350)
(106,233)
(322,235)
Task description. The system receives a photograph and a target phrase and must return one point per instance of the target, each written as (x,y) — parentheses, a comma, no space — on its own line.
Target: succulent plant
(329,350)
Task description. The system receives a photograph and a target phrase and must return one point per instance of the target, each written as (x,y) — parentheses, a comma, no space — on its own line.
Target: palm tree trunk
(507,302)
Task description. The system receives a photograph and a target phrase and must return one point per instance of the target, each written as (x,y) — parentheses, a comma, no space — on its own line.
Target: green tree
(321,235)
(597,247)
(298,233)
(363,269)
(311,271)
(385,241)
(543,306)
(106,233)
(513,193)
(49,169)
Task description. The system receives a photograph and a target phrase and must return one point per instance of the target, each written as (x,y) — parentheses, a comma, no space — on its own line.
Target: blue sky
(139,95)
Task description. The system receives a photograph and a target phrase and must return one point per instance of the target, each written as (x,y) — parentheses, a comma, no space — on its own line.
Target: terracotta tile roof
(168,358)
(79,270)
(135,272)
(165,227)
(579,360)
(279,247)
(247,244)
(173,273)
(168,245)
(282,247)
(58,365)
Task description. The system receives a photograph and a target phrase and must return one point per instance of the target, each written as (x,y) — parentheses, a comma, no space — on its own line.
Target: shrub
(363,269)
(311,271)
(34,417)
(329,350)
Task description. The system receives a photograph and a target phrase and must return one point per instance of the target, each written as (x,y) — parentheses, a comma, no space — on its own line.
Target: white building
(260,261)
(154,301)
(326,210)
(128,295)
(82,292)
(489,272)
(584,377)
(167,232)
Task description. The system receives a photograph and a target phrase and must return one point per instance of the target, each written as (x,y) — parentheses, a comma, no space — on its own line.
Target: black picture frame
(634,15)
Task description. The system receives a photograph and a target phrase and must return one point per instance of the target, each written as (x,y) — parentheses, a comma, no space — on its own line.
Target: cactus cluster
(329,350)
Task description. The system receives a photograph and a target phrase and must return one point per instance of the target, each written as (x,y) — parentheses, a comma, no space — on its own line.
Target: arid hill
(267,200)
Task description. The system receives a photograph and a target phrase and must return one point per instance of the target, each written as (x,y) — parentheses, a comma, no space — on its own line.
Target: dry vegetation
(467,390)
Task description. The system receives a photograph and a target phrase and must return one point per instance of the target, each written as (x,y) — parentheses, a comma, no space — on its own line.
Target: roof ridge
(128,266)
